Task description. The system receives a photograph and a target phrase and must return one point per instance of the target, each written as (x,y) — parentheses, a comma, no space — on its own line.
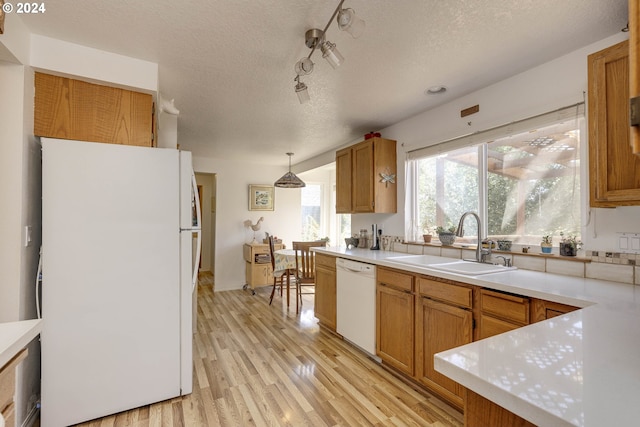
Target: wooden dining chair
(305,268)
(278,275)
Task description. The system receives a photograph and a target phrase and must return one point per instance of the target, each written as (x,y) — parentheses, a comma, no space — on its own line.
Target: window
(523,184)
(311,198)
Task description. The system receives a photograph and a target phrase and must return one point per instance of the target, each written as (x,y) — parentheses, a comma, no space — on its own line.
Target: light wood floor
(262,365)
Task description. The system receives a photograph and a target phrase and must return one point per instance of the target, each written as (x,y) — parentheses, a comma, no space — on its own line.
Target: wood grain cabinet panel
(634,65)
(543,310)
(501,312)
(8,386)
(440,327)
(258,271)
(73,109)
(614,172)
(325,291)
(395,320)
(360,187)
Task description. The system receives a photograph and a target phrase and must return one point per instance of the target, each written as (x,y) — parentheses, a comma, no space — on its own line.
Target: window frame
(482,140)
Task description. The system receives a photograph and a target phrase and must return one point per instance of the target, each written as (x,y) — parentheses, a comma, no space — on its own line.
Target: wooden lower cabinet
(481,412)
(543,310)
(395,319)
(502,312)
(418,316)
(440,327)
(258,271)
(325,291)
(8,386)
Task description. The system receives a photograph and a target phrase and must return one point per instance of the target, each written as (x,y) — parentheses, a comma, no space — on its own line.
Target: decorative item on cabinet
(614,172)
(365,177)
(547,244)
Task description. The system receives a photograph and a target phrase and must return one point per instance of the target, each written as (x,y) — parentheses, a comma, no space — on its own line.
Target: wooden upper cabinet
(614,172)
(634,66)
(364,173)
(343,181)
(73,109)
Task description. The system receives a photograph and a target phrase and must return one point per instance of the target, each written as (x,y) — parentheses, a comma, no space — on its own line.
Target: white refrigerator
(119,275)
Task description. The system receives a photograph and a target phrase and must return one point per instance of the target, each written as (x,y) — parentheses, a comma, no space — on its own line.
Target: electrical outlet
(27,235)
(629,242)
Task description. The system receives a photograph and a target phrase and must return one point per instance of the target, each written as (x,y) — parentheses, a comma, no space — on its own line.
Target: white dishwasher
(356,303)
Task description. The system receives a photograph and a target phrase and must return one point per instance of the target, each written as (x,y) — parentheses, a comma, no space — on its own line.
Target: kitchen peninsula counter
(578,369)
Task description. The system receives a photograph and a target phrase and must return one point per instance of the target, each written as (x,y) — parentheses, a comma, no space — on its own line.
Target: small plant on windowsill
(546,244)
(569,244)
(427,234)
(446,235)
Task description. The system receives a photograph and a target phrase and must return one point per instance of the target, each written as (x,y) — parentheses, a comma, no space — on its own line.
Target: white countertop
(581,368)
(14,336)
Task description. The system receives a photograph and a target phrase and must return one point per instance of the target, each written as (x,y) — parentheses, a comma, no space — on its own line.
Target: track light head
(331,53)
(349,22)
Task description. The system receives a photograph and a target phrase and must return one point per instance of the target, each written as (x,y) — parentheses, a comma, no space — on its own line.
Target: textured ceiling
(229,64)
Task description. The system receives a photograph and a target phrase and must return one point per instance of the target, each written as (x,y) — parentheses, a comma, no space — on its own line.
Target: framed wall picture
(261,197)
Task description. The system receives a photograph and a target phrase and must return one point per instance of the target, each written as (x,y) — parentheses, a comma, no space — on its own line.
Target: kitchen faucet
(481,253)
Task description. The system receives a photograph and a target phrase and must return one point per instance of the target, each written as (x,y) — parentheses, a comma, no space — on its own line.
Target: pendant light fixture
(289,179)
(315,39)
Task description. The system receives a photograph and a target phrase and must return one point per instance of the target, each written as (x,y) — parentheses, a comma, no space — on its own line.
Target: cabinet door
(325,296)
(362,190)
(634,65)
(343,181)
(72,109)
(614,172)
(395,327)
(440,327)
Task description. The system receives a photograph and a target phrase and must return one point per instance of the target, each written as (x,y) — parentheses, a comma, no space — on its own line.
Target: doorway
(207,186)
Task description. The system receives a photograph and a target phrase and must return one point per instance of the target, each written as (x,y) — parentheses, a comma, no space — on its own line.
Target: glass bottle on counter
(364,238)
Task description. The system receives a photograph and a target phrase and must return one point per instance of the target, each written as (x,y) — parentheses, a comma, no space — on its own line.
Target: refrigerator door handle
(196,263)
(194,184)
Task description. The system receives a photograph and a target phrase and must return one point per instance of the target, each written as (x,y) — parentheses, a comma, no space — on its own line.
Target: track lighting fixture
(315,38)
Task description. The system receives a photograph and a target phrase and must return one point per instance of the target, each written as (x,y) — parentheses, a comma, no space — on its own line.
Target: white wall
(559,83)
(20,189)
(73,60)
(232,196)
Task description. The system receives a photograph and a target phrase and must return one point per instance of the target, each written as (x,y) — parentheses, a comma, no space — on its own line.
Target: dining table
(285,259)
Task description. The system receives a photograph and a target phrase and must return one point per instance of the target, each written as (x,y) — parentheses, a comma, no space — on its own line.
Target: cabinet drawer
(490,326)
(395,279)
(453,294)
(262,250)
(512,308)
(325,261)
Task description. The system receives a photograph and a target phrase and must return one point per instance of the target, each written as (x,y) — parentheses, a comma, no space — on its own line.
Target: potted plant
(569,244)
(446,235)
(427,235)
(546,244)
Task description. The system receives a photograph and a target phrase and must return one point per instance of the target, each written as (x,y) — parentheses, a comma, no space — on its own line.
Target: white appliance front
(356,303)
(113,283)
